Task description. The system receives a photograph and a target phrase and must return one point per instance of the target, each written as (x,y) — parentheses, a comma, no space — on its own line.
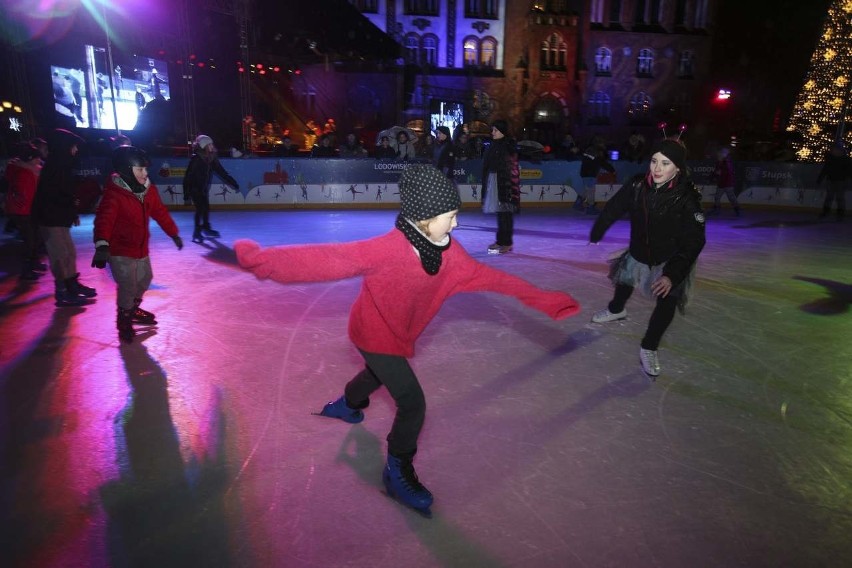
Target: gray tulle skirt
(626,270)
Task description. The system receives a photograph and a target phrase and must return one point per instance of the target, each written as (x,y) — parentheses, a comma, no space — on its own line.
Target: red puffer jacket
(23,180)
(122,218)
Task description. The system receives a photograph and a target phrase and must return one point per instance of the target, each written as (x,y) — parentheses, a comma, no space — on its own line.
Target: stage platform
(545,445)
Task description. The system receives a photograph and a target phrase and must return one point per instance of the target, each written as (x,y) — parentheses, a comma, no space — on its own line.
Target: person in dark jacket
(55,210)
(838,170)
(196,185)
(121,235)
(501,185)
(666,237)
(725,181)
(444,157)
(593,161)
(384,151)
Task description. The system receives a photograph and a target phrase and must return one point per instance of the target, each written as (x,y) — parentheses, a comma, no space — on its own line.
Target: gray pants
(133,276)
(60,251)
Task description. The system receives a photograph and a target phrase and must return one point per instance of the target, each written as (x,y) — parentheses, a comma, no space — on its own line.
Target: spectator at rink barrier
(725,181)
(837,169)
(405,149)
(407,274)
(352,148)
(323,148)
(196,185)
(666,237)
(384,151)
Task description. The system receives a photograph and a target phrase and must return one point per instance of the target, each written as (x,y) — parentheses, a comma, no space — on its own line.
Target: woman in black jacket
(501,185)
(666,237)
(196,185)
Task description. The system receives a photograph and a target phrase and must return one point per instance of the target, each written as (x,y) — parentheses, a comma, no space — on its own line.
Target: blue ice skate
(402,484)
(339,409)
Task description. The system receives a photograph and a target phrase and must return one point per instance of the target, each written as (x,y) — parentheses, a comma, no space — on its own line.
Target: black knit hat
(443,129)
(674,150)
(502,126)
(424,192)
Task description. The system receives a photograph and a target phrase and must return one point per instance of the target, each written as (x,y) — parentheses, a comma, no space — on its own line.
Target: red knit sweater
(397,299)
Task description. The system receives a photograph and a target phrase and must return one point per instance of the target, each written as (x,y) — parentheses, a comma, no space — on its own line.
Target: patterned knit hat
(674,150)
(424,193)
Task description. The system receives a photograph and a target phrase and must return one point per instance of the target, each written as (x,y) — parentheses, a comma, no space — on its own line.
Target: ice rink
(545,445)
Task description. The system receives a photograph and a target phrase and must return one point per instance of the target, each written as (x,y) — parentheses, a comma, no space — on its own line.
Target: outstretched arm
(482,278)
(303,263)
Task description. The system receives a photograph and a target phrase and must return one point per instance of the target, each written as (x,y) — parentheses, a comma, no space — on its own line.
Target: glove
(178,242)
(101,257)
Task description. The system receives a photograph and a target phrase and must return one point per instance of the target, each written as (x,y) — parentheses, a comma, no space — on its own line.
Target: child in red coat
(407,274)
(130,200)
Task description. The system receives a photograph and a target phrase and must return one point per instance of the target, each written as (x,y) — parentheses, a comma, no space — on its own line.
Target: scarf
(430,253)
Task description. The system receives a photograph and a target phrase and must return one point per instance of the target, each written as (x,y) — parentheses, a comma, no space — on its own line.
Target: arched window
(548,109)
(639,109)
(599,107)
(685,64)
(471,51)
(412,48)
(488,52)
(429,52)
(603,61)
(554,52)
(645,63)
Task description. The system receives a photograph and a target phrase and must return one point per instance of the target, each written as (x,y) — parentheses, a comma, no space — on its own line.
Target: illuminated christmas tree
(823,111)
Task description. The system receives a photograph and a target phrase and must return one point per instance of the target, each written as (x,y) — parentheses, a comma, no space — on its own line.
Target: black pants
(396,375)
(32,239)
(505,229)
(661,317)
(201,199)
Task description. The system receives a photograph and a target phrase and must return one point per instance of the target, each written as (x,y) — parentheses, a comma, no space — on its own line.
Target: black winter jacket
(666,224)
(502,158)
(55,204)
(199,172)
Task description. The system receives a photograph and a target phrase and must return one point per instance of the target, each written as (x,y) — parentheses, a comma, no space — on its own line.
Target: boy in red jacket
(407,274)
(130,200)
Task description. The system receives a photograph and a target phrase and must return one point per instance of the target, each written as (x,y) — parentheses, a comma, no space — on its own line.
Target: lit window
(430,50)
(645,63)
(603,61)
(489,52)
(471,51)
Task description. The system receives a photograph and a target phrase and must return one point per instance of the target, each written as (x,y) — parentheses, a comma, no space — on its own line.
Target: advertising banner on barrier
(315,182)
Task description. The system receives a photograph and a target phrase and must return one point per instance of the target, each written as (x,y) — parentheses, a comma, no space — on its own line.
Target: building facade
(587,68)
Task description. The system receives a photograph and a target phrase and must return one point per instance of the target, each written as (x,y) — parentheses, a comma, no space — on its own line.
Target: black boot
(142,316)
(196,235)
(401,483)
(74,287)
(210,232)
(124,323)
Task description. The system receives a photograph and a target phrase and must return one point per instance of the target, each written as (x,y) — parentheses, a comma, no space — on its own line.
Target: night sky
(762,50)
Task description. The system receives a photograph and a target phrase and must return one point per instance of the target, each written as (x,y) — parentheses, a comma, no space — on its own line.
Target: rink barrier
(319,183)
